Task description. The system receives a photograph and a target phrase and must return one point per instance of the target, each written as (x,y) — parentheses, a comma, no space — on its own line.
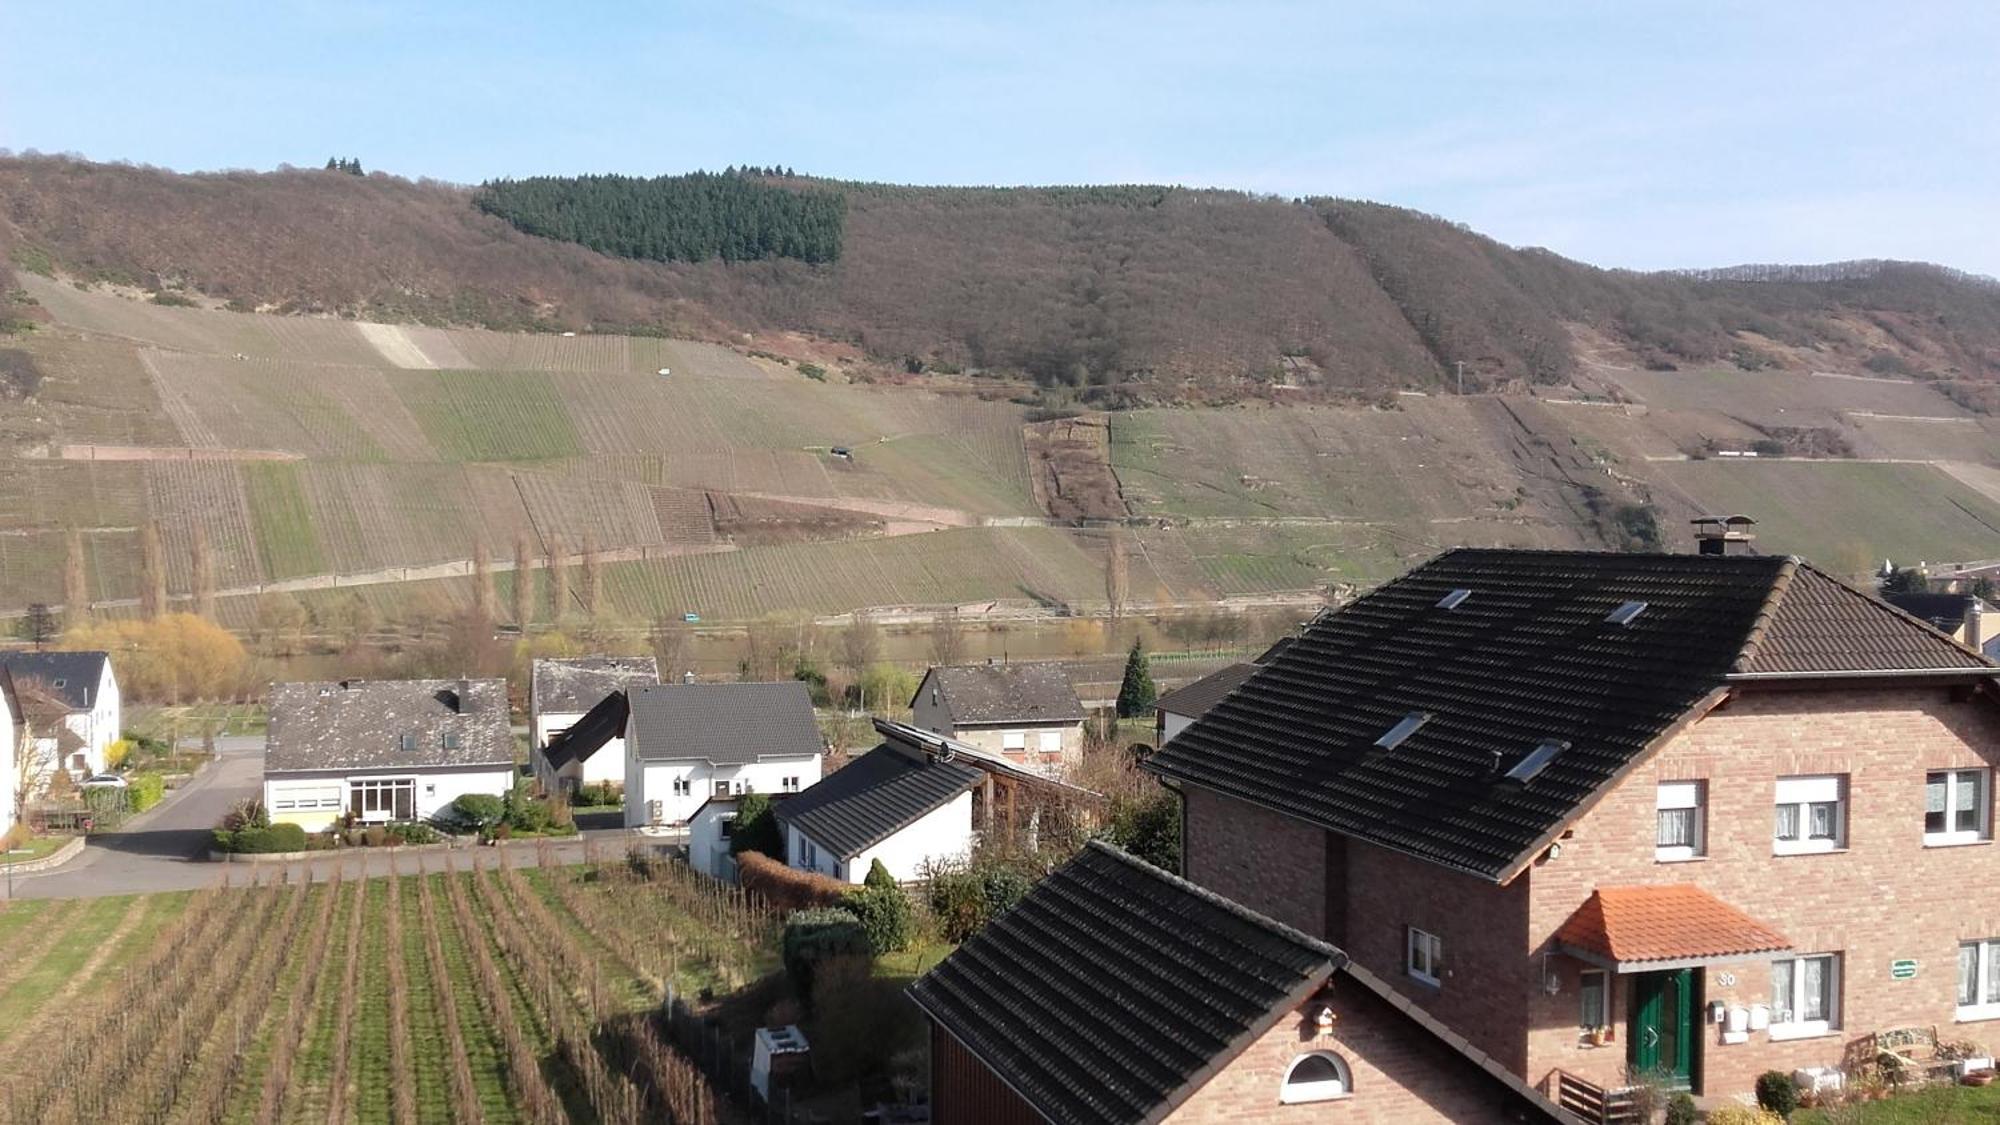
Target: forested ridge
(1120,290)
(691,218)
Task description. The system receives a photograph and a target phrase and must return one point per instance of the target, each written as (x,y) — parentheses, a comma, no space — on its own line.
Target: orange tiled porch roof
(1636,929)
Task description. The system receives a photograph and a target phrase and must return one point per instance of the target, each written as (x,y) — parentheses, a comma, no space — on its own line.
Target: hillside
(1161,292)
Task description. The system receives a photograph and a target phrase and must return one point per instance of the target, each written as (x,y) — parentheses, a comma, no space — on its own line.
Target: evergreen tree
(731,215)
(332,164)
(1137,693)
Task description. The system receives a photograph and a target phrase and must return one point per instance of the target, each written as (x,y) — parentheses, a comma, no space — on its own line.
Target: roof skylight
(1454,599)
(1404,728)
(1626,614)
(1537,760)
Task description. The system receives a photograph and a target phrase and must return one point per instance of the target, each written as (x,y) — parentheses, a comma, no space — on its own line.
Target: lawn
(1933,1105)
(37,848)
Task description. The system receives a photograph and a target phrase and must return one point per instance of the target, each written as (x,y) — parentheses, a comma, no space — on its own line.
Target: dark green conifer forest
(732,215)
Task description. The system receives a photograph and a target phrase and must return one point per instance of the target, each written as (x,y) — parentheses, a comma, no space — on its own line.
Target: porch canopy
(1673,926)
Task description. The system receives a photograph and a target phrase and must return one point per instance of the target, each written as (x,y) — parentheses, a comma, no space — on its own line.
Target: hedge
(784,888)
(261,841)
(147,790)
(818,935)
(885,916)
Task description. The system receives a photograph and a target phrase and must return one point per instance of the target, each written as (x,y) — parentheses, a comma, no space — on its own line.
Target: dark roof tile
(875,796)
(723,723)
(361,724)
(1037,692)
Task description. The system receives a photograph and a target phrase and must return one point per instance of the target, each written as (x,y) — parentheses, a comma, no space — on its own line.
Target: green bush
(1778,1092)
(878,876)
(147,790)
(479,810)
(598,796)
(1681,1110)
(264,840)
(756,828)
(815,936)
(1150,829)
(417,833)
(813,371)
(885,916)
(964,899)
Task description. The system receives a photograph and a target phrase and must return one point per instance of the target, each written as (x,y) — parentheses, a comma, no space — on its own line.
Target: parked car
(104,781)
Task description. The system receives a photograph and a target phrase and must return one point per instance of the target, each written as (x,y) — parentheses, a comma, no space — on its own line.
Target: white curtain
(1781,991)
(1968,974)
(1815,989)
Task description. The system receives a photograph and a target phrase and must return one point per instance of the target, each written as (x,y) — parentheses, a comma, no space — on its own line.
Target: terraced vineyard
(477,996)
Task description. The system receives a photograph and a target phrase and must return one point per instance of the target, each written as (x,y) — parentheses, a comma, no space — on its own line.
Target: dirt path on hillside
(395,345)
(157,453)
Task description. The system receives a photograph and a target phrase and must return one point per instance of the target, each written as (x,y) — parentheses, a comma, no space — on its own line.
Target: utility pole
(1461,377)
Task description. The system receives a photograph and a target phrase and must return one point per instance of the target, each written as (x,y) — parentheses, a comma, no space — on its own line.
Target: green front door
(1661,1035)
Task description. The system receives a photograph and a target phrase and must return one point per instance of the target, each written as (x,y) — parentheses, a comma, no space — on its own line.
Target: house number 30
(1726,980)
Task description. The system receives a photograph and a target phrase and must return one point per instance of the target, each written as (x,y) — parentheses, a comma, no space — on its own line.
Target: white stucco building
(560,694)
(384,750)
(80,685)
(902,803)
(686,743)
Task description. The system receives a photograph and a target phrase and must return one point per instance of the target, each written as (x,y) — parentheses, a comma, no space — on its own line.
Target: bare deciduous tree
(483,598)
(947,637)
(201,570)
(672,641)
(593,578)
(861,645)
(558,580)
(76,583)
(1117,574)
(524,584)
(152,571)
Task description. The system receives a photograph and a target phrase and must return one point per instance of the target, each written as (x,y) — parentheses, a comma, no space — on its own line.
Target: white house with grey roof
(384,750)
(686,743)
(908,803)
(82,686)
(1027,713)
(560,694)
(10,747)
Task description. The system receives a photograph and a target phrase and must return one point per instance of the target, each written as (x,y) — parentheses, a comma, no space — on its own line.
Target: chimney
(465,706)
(1975,625)
(1723,535)
(687,677)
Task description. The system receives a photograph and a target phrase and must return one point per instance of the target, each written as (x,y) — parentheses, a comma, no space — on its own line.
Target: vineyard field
(488,994)
(287,535)
(489,415)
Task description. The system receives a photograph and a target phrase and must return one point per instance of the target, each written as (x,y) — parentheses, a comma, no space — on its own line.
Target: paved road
(165,848)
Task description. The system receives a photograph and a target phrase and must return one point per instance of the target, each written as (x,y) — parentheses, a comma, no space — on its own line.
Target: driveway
(165,848)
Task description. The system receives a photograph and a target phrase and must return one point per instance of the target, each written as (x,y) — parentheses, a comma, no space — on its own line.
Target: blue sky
(1623,132)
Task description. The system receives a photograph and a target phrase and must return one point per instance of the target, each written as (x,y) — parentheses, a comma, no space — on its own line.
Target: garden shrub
(756,828)
(261,840)
(598,795)
(813,937)
(1743,1115)
(1681,1110)
(878,875)
(478,810)
(116,753)
(884,914)
(247,813)
(1778,1091)
(415,833)
(964,898)
(147,790)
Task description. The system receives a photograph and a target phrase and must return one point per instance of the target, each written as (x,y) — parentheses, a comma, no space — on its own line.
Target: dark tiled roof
(1006,693)
(1111,988)
(723,723)
(1819,624)
(588,734)
(1945,612)
(1115,990)
(1194,700)
(574,686)
(71,676)
(875,796)
(360,724)
(1529,657)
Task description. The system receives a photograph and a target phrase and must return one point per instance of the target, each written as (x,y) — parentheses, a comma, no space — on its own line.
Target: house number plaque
(1726,980)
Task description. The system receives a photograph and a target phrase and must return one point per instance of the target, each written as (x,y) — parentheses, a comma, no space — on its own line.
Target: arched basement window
(1318,1077)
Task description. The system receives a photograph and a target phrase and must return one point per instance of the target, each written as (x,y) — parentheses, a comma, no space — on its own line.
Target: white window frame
(1674,796)
(1797,798)
(683,787)
(1014,740)
(382,787)
(1986,979)
(1422,953)
(1302,1093)
(1980,780)
(1049,742)
(1796,1028)
(808,854)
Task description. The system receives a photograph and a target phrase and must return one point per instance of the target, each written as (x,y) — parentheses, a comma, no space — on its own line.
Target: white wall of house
(97,727)
(944,833)
(1050,749)
(605,767)
(680,786)
(315,801)
(1171,724)
(708,850)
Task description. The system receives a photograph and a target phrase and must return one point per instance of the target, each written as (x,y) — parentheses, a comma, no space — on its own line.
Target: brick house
(1701,816)
(1028,713)
(1117,993)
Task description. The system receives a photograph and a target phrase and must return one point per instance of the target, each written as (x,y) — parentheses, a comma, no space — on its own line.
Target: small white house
(710,830)
(384,750)
(1177,710)
(686,743)
(902,803)
(560,694)
(82,686)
